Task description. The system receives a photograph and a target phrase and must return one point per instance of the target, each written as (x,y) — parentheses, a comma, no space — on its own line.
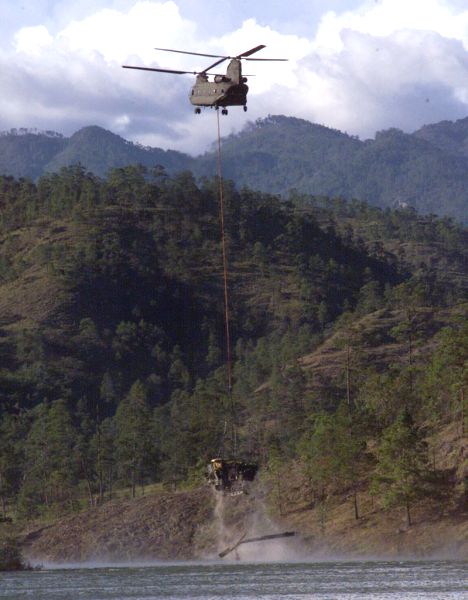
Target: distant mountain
(25,154)
(33,154)
(100,150)
(427,170)
(278,154)
(451,137)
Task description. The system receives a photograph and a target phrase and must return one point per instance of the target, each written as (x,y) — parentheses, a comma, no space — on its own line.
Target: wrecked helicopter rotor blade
(272,536)
(261,538)
(232,548)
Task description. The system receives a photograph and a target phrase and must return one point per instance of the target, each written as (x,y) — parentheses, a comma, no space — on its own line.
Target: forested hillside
(348,336)
(426,170)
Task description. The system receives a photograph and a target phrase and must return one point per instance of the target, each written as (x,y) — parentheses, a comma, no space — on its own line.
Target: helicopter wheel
(197,111)
(245,108)
(224,111)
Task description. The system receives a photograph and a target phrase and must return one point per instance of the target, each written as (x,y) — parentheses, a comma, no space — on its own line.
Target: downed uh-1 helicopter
(225,90)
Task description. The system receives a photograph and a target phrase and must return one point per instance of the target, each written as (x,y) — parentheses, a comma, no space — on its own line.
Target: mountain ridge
(427,169)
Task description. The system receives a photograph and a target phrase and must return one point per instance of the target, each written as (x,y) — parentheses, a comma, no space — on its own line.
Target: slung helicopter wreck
(230,475)
(225,90)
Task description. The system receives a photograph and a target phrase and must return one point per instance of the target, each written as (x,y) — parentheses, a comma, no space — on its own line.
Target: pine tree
(332,454)
(134,448)
(11,459)
(402,474)
(50,472)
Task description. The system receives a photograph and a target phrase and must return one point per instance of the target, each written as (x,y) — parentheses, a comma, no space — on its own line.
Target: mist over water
(433,580)
(271,570)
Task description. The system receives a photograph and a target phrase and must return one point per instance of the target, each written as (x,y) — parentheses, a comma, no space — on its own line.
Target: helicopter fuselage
(224,90)
(230,89)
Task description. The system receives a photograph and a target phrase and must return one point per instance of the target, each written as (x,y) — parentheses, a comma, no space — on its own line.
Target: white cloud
(381,18)
(392,63)
(386,63)
(118,35)
(32,40)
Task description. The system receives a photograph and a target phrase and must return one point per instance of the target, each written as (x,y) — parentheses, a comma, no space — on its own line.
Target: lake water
(437,580)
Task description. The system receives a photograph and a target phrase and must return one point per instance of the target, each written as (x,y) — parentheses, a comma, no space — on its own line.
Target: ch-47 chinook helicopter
(224,90)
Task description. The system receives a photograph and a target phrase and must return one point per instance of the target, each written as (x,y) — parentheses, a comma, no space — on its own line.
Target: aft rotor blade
(194,53)
(161,70)
(251,51)
(218,62)
(239,56)
(276,59)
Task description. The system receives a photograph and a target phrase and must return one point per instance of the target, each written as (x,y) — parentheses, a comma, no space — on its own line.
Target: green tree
(11,459)
(445,383)
(402,474)
(103,447)
(50,474)
(332,453)
(349,338)
(133,443)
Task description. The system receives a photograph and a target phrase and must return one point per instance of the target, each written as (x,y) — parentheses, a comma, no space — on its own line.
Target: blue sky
(355,65)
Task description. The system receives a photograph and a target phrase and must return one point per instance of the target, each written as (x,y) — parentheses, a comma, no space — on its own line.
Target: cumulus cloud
(386,63)
(391,63)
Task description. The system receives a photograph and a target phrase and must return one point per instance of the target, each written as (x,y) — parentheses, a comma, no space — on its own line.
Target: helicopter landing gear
(245,108)
(224,111)
(197,111)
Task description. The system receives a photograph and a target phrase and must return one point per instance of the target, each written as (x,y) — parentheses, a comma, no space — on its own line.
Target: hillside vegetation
(349,337)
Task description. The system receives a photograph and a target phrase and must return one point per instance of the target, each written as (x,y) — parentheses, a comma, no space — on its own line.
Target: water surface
(376,580)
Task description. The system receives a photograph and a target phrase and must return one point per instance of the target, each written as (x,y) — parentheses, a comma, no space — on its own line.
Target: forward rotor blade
(194,53)
(251,51)
(161,70)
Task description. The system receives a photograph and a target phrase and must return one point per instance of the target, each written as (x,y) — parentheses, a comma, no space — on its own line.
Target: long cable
(226,296)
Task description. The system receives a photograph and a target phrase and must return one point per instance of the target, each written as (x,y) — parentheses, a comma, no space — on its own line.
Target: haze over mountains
(427,169)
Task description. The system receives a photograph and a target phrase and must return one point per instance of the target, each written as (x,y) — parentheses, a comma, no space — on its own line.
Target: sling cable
(228,474)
